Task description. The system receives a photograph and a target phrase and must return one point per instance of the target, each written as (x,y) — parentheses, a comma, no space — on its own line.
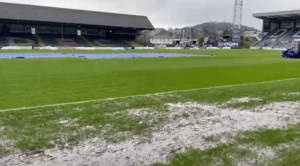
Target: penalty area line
(143,95)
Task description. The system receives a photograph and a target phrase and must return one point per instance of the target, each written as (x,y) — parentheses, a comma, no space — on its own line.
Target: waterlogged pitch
(237,107)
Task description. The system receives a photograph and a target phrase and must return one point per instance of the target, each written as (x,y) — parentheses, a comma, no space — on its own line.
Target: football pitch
(233,107)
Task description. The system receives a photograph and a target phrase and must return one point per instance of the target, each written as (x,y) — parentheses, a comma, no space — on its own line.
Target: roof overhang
(59,24)
(40,14)
(281,15)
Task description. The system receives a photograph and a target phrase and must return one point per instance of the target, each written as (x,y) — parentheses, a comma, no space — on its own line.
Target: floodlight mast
(237,14)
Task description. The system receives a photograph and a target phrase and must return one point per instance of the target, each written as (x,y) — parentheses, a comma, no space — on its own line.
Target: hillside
(220,26)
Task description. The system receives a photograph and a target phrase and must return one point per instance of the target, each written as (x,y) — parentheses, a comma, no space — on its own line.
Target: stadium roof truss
(29,14)
(282,15)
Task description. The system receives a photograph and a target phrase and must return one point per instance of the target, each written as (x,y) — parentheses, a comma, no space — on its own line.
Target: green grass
(34,82)
(41,128)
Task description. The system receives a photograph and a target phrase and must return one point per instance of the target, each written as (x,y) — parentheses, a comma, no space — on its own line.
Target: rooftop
(21,12)
(293,14)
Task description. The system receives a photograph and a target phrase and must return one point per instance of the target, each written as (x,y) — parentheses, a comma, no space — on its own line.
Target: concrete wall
(165,41)
(161,41)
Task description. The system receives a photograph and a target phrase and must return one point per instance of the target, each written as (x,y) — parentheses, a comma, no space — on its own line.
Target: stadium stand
(279,33)
(266,40)
(68,40)
(107,43)
(28,25)
(3,41)
(289,37)
(18,40)
(297,34)
(286,40)
(281,38)
(280,29)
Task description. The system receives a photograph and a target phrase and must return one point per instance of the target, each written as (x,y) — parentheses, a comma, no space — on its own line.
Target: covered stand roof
(20,12)
(281,15)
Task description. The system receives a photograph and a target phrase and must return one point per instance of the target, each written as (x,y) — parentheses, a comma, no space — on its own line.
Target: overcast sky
(175,13)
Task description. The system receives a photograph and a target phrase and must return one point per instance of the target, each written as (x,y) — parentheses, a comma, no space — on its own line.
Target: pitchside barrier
(85,48)
(255,48)
(46,48)
(105,48)
(174,48)
(213,48)
(278,49)
(268,48)
(231,44)
(17,48)
(66,48)
(144,48)
(195,48)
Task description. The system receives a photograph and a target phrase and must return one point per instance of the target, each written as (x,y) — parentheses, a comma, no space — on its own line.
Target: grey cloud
(176,13)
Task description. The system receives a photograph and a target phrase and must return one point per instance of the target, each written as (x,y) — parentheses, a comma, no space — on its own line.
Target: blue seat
(69,40)
(16,39)
(101,42)
(268,39)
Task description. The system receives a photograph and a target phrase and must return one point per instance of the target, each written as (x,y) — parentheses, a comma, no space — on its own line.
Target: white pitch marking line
(143,95)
